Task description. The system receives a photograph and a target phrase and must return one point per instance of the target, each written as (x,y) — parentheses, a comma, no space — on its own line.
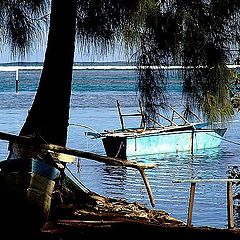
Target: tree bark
(49,115)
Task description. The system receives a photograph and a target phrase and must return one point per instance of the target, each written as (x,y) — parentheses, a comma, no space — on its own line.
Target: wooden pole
(229,197)
(192,141)
(35,143)
(143,119)
(17,80)
(191,201)
(148,187)
(120,115)
(207,180)
(28,141)
(230,206)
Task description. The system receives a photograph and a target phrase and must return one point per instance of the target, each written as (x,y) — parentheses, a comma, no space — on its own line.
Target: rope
(84,126)
(120,146)
(206,180)
(230,141)
(82,185)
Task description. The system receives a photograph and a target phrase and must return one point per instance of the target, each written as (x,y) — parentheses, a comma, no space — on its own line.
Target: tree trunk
(49,114)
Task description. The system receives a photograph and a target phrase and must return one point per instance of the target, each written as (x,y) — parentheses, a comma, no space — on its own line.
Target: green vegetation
(198,35)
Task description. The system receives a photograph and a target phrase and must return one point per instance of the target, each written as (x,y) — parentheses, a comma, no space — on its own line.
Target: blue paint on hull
(45,170)
(137,144)
(172,142)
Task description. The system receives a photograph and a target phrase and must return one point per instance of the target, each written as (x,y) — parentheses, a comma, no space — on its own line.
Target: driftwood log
(87,215)
(34,142)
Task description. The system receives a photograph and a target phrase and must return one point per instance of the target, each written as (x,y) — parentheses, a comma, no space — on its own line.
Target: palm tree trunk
(49,115)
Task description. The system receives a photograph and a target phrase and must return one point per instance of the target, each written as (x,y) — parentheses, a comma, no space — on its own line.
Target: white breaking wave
(103,67)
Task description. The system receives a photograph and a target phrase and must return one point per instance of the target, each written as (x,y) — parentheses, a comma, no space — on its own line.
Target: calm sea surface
(93,105)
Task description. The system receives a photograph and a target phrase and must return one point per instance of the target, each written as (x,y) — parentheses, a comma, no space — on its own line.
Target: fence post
(230,205)
(17,80)
(191,201)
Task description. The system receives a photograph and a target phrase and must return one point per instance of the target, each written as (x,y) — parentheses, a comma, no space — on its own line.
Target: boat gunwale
(139,132)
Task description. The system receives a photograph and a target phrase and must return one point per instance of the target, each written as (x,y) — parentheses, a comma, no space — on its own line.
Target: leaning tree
(198,35)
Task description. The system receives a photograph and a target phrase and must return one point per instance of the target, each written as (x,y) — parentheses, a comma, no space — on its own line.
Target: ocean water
(93,106)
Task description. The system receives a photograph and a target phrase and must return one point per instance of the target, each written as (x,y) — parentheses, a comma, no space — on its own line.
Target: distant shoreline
(114,63)
(102,65)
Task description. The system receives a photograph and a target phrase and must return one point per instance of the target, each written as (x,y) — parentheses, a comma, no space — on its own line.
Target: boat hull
(161,142)
(26,195)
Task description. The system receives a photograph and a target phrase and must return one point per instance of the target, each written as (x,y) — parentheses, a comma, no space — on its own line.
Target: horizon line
(103,67)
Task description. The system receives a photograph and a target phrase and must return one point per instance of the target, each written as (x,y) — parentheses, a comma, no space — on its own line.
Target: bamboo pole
(167,119)
(229,197)
(191,201)
(182,117)
(148,187)
(207,180)
(143,117)
(17,80)
(230,206)
(120,115)
(192,141)
(92,156)
(74,152)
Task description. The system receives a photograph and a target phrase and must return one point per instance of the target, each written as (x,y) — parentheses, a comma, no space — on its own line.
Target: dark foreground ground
(80,215)
(106,218)
(136,230)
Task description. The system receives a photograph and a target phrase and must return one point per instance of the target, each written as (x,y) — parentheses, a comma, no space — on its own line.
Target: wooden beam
(34,142)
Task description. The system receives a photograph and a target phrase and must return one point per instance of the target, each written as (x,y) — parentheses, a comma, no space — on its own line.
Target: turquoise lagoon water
(93,104)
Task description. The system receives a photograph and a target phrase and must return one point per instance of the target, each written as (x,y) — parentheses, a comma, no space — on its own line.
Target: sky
(37,55)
